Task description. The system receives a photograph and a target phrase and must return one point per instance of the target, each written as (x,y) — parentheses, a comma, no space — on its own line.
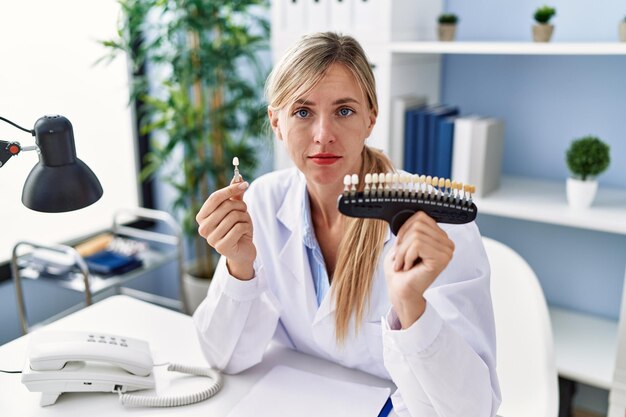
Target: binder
(317,15)
(293,18)
(477,153)
(341,13)
(432,137)
(367,18)
(445,140)
(410,137)
(487,155)
(462,148)
(399,107)
(421,144)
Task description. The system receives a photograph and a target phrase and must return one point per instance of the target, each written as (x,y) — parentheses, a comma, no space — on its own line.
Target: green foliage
(544,14)
(448,19)
(587,157)
(208,104)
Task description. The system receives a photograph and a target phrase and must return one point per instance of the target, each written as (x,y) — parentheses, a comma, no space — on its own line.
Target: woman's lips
(324,158)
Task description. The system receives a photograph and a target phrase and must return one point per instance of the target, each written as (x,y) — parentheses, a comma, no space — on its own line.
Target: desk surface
(172,338)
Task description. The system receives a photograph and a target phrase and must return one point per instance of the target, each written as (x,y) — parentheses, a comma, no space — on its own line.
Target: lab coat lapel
(292,255)
(327,306)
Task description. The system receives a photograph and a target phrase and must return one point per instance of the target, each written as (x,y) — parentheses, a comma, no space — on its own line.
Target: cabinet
(400,43)
(162,246)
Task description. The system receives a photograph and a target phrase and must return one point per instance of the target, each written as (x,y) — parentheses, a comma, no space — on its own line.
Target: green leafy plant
(544,14)
(448,19)
(587,157)
(207,106)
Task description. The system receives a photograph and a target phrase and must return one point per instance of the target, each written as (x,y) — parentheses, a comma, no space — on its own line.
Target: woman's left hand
(421,251)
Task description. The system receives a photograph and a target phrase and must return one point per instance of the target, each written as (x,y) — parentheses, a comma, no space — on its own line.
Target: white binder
(317,14)
(341,12)
(293,19)
(368,15)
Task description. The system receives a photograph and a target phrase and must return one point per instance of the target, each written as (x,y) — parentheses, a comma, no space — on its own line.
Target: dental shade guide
(394,198)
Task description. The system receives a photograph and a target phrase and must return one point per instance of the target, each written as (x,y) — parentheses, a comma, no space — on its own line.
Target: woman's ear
(273,116)
(371,122)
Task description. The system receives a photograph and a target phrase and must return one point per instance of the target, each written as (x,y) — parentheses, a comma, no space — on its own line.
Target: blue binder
(422,152)
(432,139)
(445,142)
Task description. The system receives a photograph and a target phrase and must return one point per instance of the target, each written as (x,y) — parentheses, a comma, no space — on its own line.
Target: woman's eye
(302,113)
(344,112)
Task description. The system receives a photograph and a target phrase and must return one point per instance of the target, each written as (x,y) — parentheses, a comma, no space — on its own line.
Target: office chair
(525,348)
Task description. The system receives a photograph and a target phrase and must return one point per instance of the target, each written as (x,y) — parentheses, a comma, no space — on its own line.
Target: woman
(294,269)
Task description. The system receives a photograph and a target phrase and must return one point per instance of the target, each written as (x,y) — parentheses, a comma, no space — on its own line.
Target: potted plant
(586,158)
(206,107)
(622,30)
(447,26)
(542,31)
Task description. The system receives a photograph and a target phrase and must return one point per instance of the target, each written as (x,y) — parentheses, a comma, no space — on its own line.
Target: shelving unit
(399,41)
(585,346)
(162,249)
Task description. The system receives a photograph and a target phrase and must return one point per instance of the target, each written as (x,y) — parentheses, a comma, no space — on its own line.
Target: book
(414,134)
(410,137)
(419,152)
(109,263)
(445,141)
(462,148)
(488,146)
(433,119)
(477,153)
(399,107)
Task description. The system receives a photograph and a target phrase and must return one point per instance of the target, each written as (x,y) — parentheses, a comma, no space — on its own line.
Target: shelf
(585,347)
(545,201)
(152,259)
(510,48)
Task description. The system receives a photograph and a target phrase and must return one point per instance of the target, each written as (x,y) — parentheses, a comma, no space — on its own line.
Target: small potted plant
(542,31)
(622,30)
(586,158)
(447,26)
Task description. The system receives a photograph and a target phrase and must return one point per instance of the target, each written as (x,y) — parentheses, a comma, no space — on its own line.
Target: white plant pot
(580,194)
(622,31)
(195,290)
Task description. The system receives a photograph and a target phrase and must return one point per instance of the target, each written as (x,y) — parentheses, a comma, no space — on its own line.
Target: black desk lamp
(60,181)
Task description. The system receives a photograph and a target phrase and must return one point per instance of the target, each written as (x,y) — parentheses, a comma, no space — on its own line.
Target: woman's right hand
(226,225)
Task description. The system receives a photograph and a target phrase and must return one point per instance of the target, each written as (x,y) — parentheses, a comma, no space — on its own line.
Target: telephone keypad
(112,340)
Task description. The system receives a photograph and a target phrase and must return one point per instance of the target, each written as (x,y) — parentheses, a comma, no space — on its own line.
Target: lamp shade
(60,181)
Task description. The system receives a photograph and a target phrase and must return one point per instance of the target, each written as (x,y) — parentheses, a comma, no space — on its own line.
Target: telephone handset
(51,351)
(87,361)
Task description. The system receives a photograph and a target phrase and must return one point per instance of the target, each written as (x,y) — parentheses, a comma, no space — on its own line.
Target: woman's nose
(324,131)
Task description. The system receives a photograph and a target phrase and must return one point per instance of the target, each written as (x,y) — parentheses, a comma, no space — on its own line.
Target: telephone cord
(174,401)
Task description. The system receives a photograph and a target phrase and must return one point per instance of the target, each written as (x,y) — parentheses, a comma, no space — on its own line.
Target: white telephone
(82,362)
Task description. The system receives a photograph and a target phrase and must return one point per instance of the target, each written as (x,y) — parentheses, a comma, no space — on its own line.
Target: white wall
(47,67)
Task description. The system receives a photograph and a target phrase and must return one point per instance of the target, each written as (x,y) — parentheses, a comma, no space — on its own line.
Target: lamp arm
(9,149)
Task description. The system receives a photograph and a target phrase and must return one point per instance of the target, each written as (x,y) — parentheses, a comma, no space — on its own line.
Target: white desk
(172,338)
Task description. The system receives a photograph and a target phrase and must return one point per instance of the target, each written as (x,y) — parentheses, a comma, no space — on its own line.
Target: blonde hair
(300,69)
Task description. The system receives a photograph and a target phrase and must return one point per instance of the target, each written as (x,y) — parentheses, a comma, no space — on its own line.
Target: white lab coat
(443,365)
